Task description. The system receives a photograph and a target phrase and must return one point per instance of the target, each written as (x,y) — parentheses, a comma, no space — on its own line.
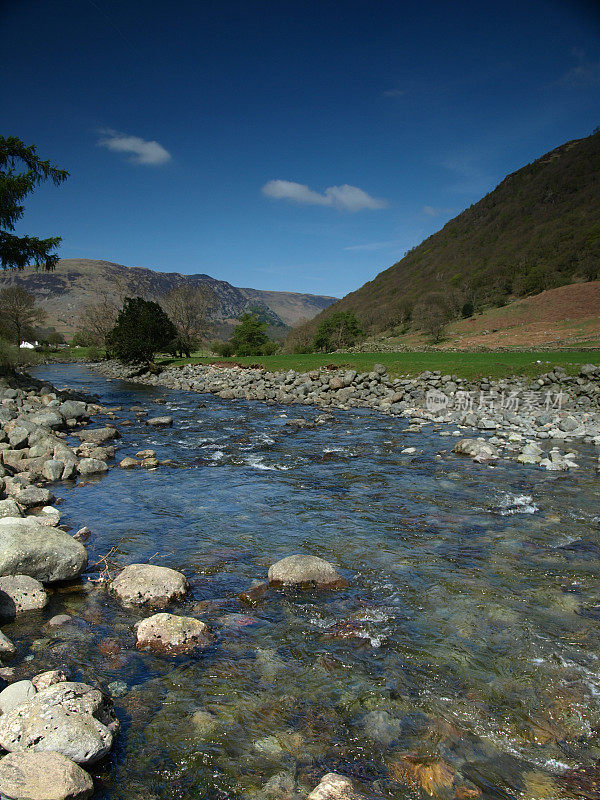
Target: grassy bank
(463,364)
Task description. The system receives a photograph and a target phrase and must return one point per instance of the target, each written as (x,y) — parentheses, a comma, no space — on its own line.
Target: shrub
(341,329)
(223,349)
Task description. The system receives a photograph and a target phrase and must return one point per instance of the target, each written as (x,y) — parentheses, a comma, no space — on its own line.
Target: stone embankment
(506,418)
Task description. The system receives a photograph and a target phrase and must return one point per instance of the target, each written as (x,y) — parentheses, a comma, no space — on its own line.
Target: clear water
(470,632)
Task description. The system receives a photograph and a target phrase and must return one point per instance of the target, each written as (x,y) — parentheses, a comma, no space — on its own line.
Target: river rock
(478,449)
(43,776)
(19,593)
(91,466)
(15,695)
(49,516)
(150,463)
(48,554)
(74,409)
(172,635)
(129,463)
(31,496)
(69,718)
(149,584)
(53,469)
(48,419)
(98,435)
(49,678)
(18,438)
(160,422)
(7,648)
(306,572)
(335,787)
(9,508)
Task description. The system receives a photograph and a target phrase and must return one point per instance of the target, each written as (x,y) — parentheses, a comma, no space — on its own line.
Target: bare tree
(188,308)
(97,320)
(19,313)
(432,315)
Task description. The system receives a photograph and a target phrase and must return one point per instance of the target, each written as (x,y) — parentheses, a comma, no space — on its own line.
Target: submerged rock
(172,635)
(7,648)
(306,572)
(149,584)
(160,422)
(430,775)
(43,776)
(48,554)
(335,787)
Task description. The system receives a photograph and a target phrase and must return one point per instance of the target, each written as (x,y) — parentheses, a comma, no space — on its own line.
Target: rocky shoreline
(514,418)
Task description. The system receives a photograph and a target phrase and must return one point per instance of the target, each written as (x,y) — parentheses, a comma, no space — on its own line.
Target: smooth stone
(47,554)
(146,454)
(20,593)
(15,695)
(306,572)
(129,463)
(149,584)
(160,422)
(69,718)
(43,776)
(150,463)
(58,620)
(91,466)
(171,634)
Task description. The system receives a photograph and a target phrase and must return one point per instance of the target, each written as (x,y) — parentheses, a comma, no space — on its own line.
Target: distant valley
(79,282)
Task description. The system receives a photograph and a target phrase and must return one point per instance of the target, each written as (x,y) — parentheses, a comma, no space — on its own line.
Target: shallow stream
(470,631)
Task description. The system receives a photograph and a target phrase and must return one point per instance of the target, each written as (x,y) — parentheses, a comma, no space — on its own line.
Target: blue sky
(286,144)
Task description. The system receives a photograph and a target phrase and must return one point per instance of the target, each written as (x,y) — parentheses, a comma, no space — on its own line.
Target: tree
(249,337)
(432,315)
(142,329)
(188,309)
(96,321)
(17,252)
(19,313)
(340,329)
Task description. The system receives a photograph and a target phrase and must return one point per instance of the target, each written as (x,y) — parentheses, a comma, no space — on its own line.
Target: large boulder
(48,554)
(43,776)
(149,584)
(69,718)
(172,635)
(306,572)
(48,419)
(19,593)
(74,409)
(98,435)
(477,449)
(53,469)
(9,508)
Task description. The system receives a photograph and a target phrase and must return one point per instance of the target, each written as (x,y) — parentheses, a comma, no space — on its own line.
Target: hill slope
(77,282)
(540,228)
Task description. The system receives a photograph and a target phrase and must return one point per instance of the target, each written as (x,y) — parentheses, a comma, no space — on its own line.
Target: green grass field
(463,364)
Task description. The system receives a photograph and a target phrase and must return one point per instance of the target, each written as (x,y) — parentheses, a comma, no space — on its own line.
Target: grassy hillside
(539,229)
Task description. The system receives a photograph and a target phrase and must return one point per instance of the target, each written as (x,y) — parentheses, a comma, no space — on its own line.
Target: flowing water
(470,631)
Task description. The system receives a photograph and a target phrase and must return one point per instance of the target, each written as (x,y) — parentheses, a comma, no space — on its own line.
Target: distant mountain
(77,282)
(539,229)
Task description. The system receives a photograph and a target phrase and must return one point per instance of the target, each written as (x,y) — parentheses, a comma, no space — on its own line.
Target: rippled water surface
(470,631)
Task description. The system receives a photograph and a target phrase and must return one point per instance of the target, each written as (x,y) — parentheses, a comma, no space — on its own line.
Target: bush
(269,348)
(249,338)
(223,349)
(341,329)
(468,309)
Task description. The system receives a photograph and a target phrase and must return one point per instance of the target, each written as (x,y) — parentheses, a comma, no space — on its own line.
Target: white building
(28,345)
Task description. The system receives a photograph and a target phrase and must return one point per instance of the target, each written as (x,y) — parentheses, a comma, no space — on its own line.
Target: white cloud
(344,198)
(140,150)
(439,211)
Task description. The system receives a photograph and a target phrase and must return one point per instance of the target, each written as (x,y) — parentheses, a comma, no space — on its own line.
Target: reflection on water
(470,632)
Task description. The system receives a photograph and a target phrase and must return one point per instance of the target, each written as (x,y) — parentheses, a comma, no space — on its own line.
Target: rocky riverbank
(530,421)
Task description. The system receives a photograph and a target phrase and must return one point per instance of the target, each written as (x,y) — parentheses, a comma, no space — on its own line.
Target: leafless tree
(188,309)
(97,320)
(432,315)
(19,313)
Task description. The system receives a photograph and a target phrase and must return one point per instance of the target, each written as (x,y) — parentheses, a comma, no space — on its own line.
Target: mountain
(78,282)
(539,229)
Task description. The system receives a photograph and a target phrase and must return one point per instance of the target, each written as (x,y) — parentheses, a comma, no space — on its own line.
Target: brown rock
(172,635)
(43,776)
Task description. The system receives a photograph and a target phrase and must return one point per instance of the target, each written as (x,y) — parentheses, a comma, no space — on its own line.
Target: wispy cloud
(373,246)
(585,73)
(344,198)
(394,93)
(438,211)
(140,151)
